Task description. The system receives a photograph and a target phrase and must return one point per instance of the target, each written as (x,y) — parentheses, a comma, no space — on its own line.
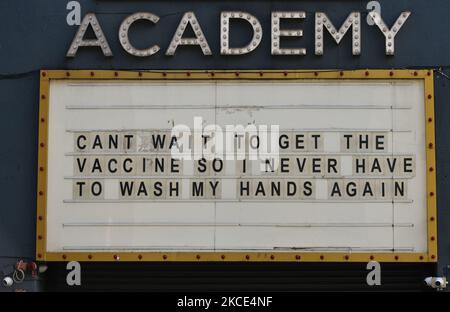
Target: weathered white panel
(329,108)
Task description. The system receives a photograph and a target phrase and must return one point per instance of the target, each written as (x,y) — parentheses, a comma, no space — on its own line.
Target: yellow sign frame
(425,75)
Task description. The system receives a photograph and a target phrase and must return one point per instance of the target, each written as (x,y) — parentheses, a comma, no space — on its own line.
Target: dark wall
(37,36)
(258,276)
(34,35)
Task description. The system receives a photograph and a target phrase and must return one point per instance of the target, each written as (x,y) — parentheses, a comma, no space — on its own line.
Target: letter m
(353,21)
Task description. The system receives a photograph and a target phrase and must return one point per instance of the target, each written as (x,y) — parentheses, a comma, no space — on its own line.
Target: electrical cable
(438,69)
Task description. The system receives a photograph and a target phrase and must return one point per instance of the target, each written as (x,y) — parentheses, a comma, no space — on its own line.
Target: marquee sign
(237,166)
(189,22)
